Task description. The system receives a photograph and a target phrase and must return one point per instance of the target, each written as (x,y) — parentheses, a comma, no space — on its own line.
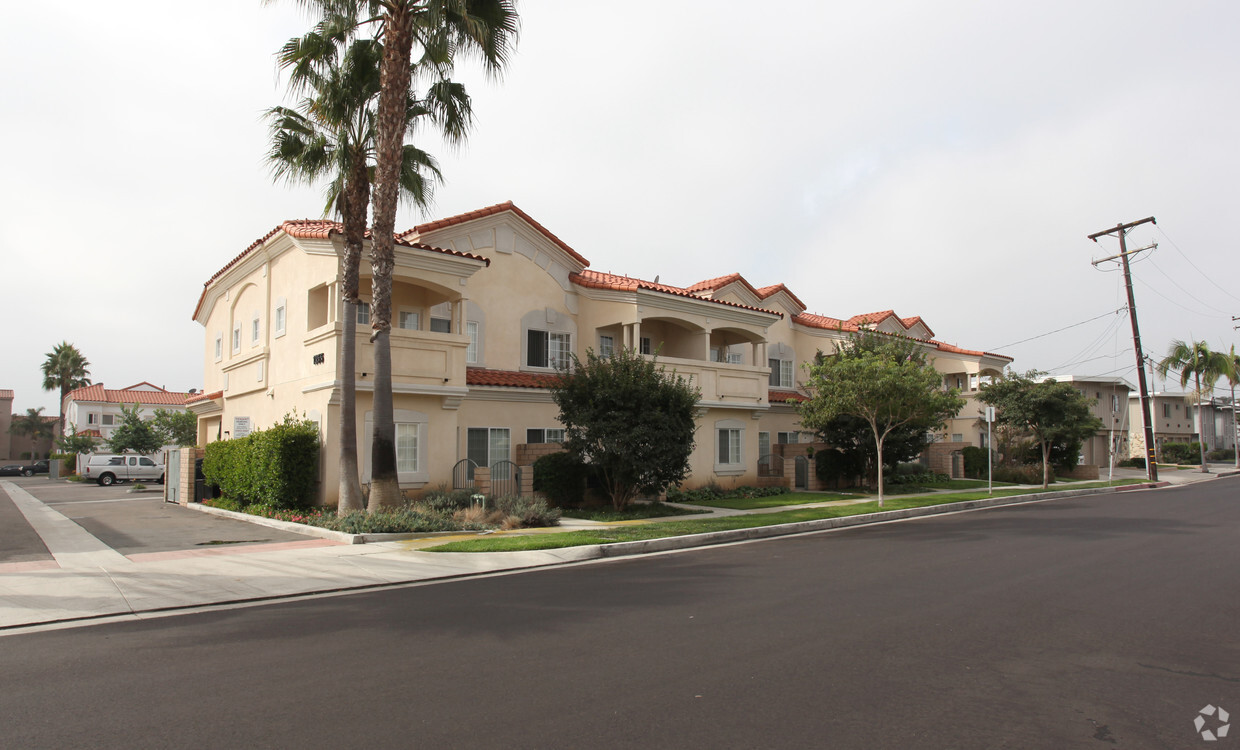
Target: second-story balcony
(721,384)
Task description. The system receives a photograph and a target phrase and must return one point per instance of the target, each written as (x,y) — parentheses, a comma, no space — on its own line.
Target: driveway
(131,523)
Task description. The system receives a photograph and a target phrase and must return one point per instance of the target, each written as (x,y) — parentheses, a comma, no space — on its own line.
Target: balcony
(723,385)
(419,358)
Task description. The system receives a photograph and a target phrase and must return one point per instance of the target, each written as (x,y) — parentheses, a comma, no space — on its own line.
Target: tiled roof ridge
(203,397)
(767,291)
(98,393)
(942,346)
(599,280)
(5,393)
(482,213)
(481,376)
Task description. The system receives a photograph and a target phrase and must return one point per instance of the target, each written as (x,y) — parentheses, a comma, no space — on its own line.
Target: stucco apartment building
(96,411)
(1175,418)
(1110,397)
(19,447)
(486,306)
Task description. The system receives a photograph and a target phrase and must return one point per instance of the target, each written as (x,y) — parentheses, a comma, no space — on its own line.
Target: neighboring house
(1174,420)
(6,421)
(96,410)
(1110,405)
(486,306)
(1224,424)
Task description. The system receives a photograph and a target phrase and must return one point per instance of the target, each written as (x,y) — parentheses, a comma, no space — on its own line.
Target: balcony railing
(742,385)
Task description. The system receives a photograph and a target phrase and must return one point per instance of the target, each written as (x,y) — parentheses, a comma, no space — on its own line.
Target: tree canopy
(32,424)
(134,433)
(1196,362)
(64,369)
(175,427)
(630,419)
(1052,413)
(886,383)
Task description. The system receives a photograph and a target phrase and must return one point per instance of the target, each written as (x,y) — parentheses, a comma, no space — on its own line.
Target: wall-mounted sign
(241,427)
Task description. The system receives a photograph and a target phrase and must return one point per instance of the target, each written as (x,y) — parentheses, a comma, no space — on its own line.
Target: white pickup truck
(108,469)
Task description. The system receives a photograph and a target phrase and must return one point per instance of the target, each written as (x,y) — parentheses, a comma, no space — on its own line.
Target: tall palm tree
(33,424)
(442,29)
(1194,361)
(65,369)
(1232,373)
(331,135)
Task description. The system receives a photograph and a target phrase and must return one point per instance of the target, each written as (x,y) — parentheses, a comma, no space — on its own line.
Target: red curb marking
(24,567)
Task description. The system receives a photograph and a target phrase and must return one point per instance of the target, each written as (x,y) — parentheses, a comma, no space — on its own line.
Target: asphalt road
(1104,621)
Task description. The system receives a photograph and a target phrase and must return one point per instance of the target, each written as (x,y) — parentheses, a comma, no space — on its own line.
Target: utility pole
(1121,230)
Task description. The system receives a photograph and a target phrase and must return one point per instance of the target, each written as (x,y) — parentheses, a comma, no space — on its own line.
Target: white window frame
(363,312)
(545,435)
(107,420)
(444,324)
(643,345)
(219,345)
(495,436)
(764,444)
(781,372)
(557,346)
(407,453)
(471,351)
(606,345)
(735,358)
(404,315)
(788,438)
(280,317)
(236,339)
(729,436)
(405,420)
(256,327)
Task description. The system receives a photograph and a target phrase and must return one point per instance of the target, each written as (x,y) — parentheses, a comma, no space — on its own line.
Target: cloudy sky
(943,159)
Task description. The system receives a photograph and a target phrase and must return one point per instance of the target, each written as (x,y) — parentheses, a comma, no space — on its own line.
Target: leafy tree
(175,427)
(134,433)
(1232,373)
(32,424)
(1194,361)
(65,369)
(887,383)
(330,136)
(75,442)
(1053,413)
(630,419)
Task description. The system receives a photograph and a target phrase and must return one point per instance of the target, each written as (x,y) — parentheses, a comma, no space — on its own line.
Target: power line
(1057,330)
(1194,266)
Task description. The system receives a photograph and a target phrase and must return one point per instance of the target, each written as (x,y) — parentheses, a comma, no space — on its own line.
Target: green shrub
(444,500)
(562,478)
(713,491)
(68,463)
(975,461)
(1136,462)
(1182,453)
(924,478)
(225,503)
(1024,474)
(533,511)
(838,467)
(1224,454)
(277,466)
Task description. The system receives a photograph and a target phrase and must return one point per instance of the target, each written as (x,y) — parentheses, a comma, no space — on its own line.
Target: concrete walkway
(90,582)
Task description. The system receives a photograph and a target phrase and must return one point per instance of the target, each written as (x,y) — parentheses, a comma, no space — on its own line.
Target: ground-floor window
(487,445)
(544,435)
(407,447)
(786,438)
(764,444)
(729,446)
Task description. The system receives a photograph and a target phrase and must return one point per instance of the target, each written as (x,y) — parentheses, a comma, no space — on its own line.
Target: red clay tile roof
(100,394)
(910,322)
(6,394)
(90,433)
(317,229)
(197,397)
(874,317)
(491,211)
(784,397)
(767,291)
(508,378)
(599,280)
(812,320)
(957,350)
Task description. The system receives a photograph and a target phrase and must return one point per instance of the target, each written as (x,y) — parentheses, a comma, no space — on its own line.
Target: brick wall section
(939,458)
(482,481)
(527,453)
(185,489)
(1083,471)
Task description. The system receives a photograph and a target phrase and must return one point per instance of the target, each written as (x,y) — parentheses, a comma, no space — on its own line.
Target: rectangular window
(736,358)
(441,325)
(219,346)
(254,331)
(764,444)
(1167,411)
(236,338)
(409,320)
(716,354)
(643,346)
(406,447)
(487,445)
(973,381)
(471,351)
(957,437)
(606,346)
(108,420)
(547,349)
(363,313)
(788,438)
(729,446)
(538,435)
(781,373)
(1114,403)
(280,316)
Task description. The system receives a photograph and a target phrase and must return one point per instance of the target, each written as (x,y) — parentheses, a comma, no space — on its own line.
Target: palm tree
(442,29)
(65,369)
(33,424)
(331,135)
(1232,373)
(1194,361)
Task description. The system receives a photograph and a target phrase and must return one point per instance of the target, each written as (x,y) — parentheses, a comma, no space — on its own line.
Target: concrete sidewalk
(90,582)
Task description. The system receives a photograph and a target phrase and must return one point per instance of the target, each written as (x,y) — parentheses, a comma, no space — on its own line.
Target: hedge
(278,466)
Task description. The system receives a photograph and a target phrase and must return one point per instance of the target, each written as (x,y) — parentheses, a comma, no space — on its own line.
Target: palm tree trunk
(353,203)
(1201,426)
(394,90)
(1235,444)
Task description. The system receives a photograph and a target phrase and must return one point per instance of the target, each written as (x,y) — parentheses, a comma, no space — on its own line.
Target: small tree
(1053,413)
(134,434)
(175,427)
(630,419)
(885,381)
(75,443)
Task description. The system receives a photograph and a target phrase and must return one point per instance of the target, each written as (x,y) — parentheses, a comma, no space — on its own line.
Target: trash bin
(202,490)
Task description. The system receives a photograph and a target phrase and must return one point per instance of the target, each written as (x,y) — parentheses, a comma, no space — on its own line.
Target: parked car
(38,467)
(11,470)
(108,469)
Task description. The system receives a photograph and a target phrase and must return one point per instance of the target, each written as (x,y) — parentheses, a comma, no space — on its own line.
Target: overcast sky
(942,159)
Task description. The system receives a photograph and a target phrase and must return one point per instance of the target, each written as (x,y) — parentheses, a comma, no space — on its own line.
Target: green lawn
(773,501)
(661,529)
(635,511)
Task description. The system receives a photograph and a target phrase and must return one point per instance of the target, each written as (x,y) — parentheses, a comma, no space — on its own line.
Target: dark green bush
(922,479)
(1137,462)
(276,467)
(975,461)
(1026,474)
(713,491)
(838,467)
(1224,454)
(562,478)
(1182,453)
